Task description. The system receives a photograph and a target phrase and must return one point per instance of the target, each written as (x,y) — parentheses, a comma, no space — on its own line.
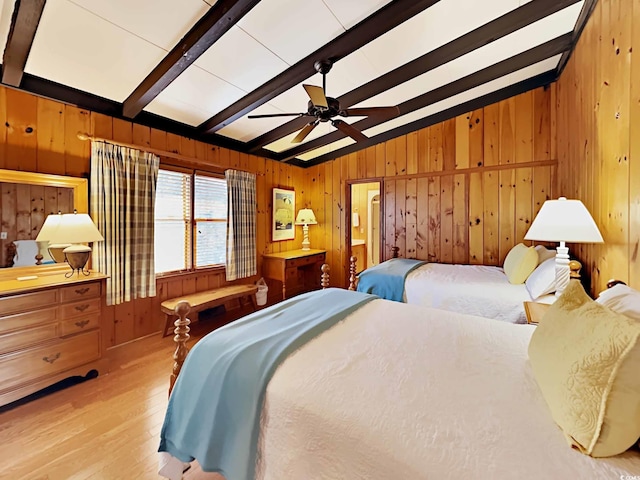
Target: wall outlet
(3,235)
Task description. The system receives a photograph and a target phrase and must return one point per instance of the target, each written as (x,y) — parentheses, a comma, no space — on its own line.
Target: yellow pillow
(520,262)
(586,360)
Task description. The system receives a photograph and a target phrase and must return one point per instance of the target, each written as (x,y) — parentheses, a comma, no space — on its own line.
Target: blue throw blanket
(214,409)
(387,279)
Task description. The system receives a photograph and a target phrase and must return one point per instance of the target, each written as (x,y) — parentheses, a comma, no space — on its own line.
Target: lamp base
(77,257)
(562,269)
(306,244)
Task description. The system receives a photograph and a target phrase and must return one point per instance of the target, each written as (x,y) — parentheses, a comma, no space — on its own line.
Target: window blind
(210,215)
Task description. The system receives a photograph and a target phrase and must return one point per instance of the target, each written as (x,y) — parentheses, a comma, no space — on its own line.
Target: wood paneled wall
(598,112)
(464,190)
(40,135)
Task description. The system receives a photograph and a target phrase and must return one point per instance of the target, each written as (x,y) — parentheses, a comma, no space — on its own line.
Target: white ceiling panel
(291,29)
(94,55)
(351,12)
(247,71)
(6,10)
(196,90)
(431,29)
(489,87)
(246,129)
(161,22)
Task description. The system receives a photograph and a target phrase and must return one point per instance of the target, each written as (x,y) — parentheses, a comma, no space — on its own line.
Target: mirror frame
(80,188)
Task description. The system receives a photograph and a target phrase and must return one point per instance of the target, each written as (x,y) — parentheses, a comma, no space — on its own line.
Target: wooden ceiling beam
(510,22)
(541,80)
(585,14)
(216,22)
(500,69)
(388,17)
(24,23)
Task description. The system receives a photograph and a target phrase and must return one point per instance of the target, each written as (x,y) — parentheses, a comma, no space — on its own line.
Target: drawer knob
(82,291)
(82,308)
(82,323)
(51,358)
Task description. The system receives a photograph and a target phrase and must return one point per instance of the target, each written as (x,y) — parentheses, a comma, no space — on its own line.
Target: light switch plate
(3,235)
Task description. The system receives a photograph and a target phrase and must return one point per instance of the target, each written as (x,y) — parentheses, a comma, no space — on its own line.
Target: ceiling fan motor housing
(324,114)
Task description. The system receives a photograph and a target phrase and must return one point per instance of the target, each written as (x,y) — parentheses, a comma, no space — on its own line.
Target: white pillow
(26,251)
(621,299)
(543,279)
(544,253)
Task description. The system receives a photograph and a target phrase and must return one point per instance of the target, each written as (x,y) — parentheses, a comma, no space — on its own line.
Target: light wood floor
(102,429)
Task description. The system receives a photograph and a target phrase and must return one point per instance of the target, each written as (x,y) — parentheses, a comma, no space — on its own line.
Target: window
(190,221)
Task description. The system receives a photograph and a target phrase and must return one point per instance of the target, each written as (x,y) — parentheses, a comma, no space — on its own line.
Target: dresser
(298,270)
(49,330)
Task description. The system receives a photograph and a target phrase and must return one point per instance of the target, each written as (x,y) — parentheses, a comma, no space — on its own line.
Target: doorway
(365,224)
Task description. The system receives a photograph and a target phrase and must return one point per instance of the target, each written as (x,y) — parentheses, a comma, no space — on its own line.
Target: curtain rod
(162,153)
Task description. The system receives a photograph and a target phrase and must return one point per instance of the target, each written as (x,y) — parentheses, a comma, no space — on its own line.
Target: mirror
(26,199)
(365,220)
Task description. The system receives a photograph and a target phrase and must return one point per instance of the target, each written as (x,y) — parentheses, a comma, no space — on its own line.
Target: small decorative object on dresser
(49,330)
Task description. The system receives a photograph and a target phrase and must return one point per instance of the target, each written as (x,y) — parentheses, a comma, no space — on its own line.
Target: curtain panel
(241,225)
(122,197)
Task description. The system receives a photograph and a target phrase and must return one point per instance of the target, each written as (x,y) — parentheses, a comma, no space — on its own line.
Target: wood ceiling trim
(541,80)
(583,18)
(500,69)
(381,21)
(208,30)
(24,23)
(519,18)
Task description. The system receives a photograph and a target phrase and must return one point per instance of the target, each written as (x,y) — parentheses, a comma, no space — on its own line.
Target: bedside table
(535,311)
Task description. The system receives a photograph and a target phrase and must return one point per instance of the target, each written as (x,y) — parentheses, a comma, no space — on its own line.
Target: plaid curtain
(241,225)
(123,192)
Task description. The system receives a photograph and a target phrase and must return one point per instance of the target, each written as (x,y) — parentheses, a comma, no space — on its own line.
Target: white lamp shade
(564,220)
(69,228)
(306,217)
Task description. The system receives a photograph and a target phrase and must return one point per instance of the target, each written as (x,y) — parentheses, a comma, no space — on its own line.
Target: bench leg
(169,325)
(253,302)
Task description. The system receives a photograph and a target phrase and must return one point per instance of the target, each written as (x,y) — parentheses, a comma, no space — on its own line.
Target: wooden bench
(204,300)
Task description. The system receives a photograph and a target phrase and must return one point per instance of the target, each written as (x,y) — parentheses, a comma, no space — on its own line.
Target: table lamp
(74,230)
(563,221)
(305,218)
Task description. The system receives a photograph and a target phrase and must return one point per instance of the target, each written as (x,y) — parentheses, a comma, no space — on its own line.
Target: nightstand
(535,311)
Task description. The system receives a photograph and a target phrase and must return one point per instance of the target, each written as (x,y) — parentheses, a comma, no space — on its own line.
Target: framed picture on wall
(284,204)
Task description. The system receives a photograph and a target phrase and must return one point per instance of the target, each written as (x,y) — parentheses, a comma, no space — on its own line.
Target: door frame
(349,217)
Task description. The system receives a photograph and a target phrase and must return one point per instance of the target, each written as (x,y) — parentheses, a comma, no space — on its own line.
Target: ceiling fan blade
(316,94)
(269,115)
(366,112)
(306,130)
(347,129)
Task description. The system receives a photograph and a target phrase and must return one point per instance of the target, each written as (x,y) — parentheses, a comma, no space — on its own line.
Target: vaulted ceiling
(200,68)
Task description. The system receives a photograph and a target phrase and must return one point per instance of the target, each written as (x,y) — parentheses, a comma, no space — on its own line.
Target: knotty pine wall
(598,111)
(462,191)
(40,135)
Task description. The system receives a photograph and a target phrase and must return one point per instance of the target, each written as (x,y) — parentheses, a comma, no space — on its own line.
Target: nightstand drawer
(79,292)
(302,261)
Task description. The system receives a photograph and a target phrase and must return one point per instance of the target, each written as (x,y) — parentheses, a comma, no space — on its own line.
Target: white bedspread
(473,289)
(404,392)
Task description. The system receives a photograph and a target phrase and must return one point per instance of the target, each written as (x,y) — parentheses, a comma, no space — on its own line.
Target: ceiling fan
(322,109)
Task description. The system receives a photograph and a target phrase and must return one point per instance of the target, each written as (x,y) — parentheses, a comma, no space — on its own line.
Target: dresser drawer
(19,368)
(79,292)
(29,336)
(79,324)
(28,301)
(302,261)
(79,308)
(28,319)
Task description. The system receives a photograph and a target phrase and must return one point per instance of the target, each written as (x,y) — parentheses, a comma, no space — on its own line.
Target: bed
(389,390)
(474,289)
